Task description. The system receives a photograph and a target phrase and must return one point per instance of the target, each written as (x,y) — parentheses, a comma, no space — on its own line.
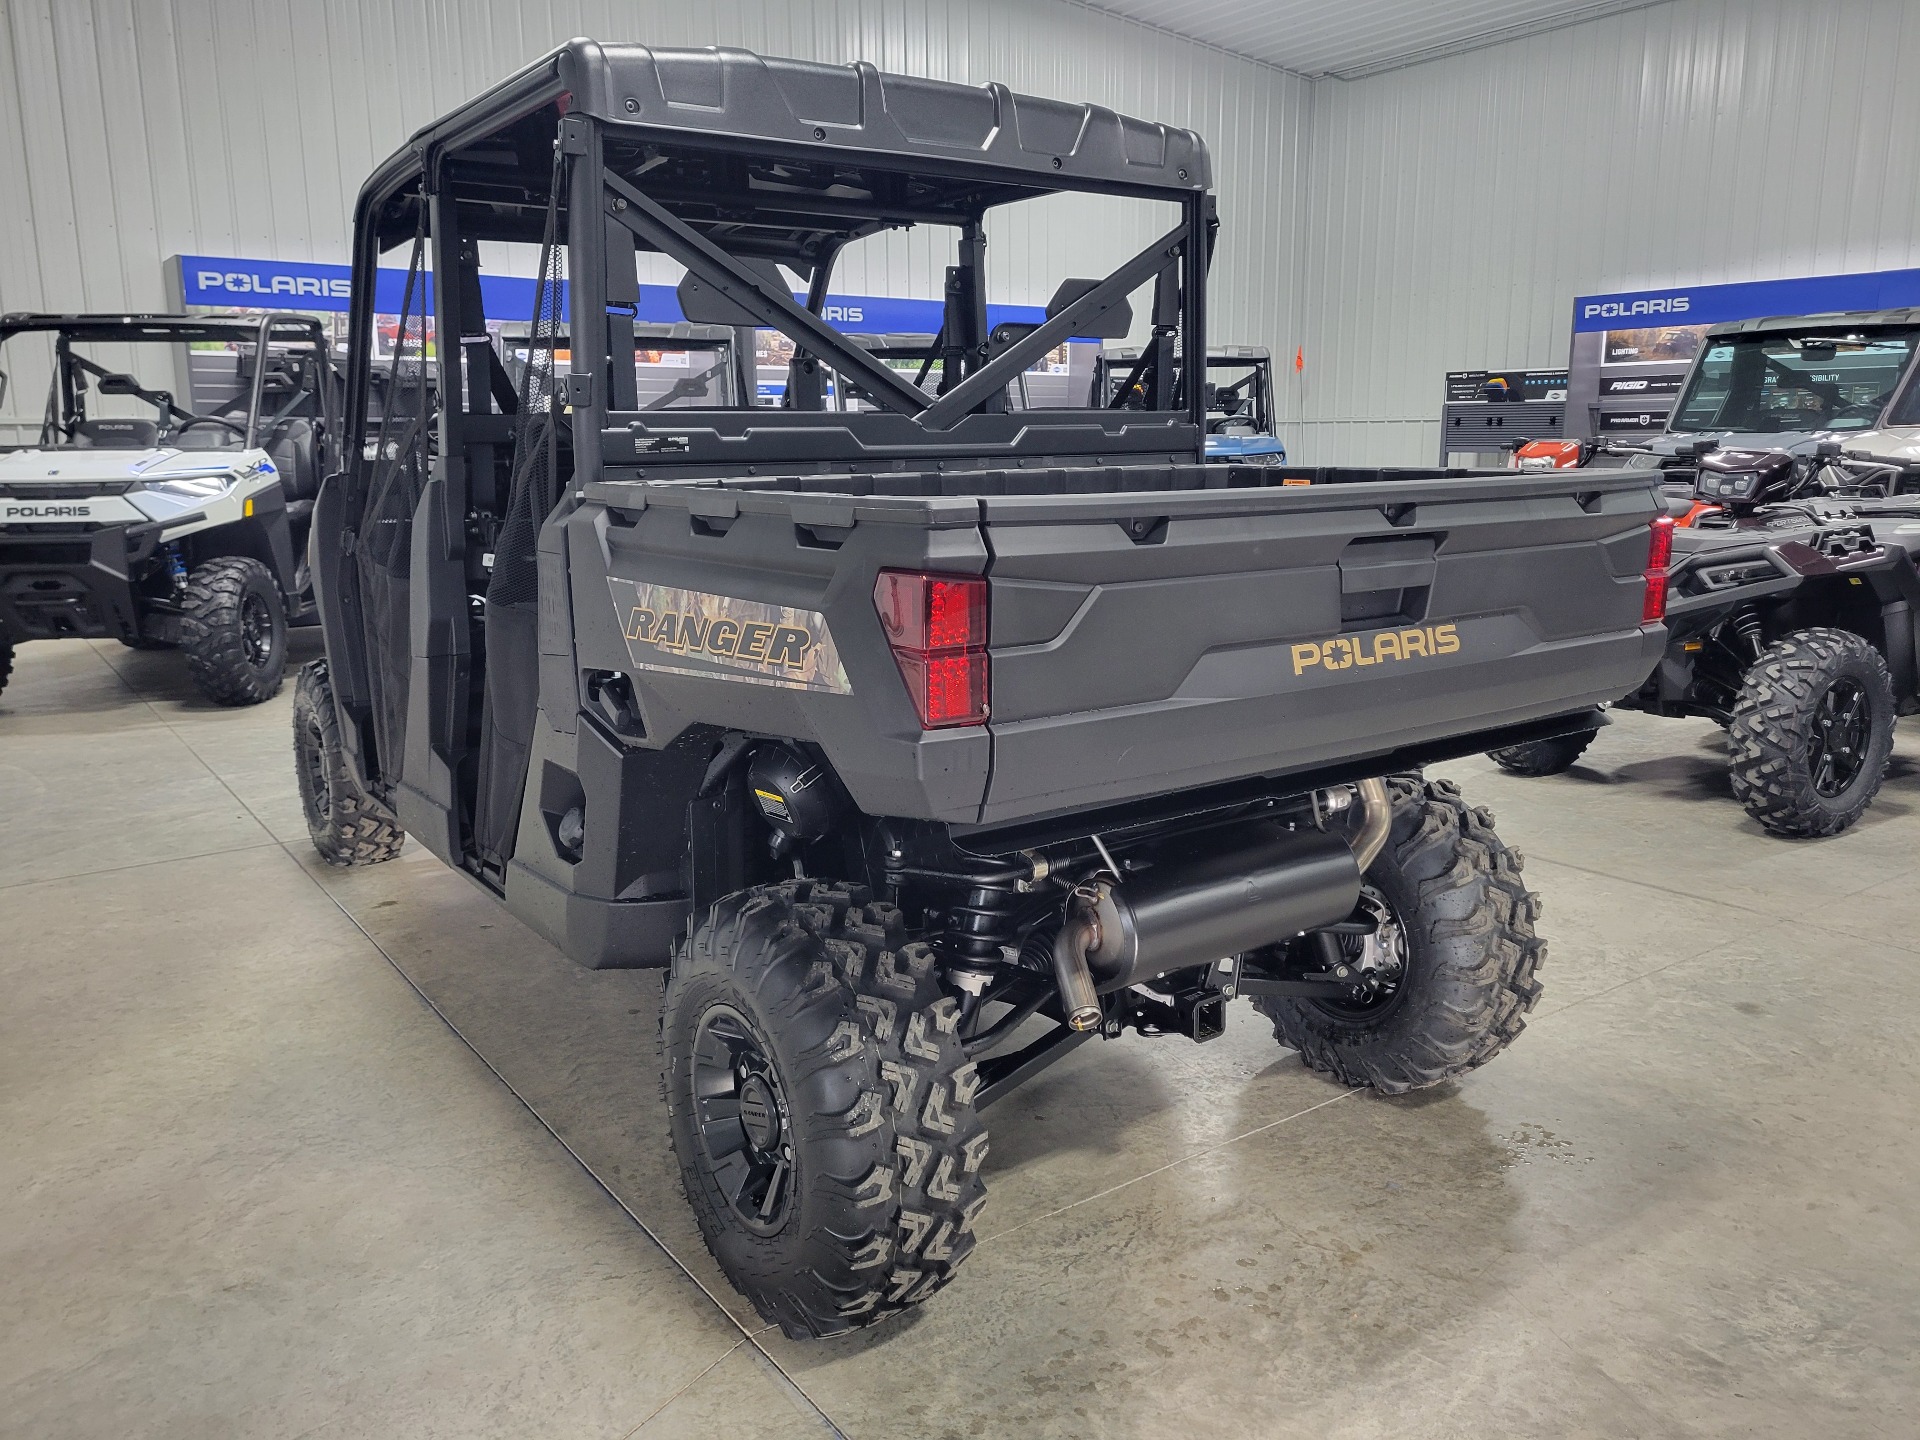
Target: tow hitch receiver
(1198,1013)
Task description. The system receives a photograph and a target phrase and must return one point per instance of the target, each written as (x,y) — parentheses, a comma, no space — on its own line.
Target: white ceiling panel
(1351,38)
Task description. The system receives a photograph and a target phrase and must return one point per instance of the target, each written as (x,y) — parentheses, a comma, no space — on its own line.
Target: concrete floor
(292,1152)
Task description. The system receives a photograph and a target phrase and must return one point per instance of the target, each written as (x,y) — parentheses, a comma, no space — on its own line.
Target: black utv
(1790,623)
(921,741)
(132,516)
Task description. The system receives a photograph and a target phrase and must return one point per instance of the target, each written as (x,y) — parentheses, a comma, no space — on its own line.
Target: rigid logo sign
(1641,385)
(1344,652)
(690,632)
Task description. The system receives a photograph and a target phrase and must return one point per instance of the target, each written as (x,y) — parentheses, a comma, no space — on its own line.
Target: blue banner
(1748,300)
(224,283)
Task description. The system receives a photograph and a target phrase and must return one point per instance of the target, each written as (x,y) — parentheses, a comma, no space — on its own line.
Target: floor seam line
(1170,1165)
(654,1413)
(749,1337)
(1694,894)
(1634,980)
(267,844)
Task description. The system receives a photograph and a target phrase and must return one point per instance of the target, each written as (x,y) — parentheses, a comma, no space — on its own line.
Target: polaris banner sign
(1748,300)
(224,283)
(255,284)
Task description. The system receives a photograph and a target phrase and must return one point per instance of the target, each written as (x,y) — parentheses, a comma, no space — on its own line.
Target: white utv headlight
(194,489)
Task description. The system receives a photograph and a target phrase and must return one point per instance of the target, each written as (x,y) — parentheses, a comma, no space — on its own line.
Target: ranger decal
(1346,651)
(689,632)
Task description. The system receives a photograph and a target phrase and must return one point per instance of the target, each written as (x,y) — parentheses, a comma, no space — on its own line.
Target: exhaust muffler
(1244,886)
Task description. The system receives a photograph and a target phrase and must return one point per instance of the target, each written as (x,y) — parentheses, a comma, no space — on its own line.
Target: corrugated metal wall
(131,130)
(1433,218)
(1459,206)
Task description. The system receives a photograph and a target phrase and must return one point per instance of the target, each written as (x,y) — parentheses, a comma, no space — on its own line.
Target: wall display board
(211,282)
(1487,411)
(1631,351)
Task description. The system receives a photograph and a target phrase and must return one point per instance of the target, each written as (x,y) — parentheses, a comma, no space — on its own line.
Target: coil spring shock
(1746,624)
(983,922)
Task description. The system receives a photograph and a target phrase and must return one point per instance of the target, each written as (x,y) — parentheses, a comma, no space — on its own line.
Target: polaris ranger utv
(1239,399)
(895,734)
(170,528)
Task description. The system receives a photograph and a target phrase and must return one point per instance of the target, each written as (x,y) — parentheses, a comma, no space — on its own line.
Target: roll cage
(735,167)
(1246,401)
(74,374)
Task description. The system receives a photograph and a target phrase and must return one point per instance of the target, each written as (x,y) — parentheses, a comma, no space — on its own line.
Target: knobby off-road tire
(861,1065)
(233,628)
(1784,748)
(1470,954)
(1543,757)
(6,662)
(348,826)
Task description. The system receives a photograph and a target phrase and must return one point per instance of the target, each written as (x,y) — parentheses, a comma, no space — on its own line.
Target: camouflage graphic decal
(689,632)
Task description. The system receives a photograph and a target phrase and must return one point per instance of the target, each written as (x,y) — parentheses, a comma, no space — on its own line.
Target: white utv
(156,525)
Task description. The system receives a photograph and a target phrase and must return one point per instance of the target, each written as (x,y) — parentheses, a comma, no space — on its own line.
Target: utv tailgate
(1152,642)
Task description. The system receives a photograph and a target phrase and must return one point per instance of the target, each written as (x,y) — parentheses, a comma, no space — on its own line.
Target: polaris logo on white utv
(241,281)
(46,511)
(1625,310)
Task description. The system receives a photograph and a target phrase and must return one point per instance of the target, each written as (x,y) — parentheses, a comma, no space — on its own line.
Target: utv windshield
(128,383)
(1774,383)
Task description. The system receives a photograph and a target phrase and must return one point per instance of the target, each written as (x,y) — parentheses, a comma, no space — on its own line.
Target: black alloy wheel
(1811,732)
(741,1112)
(256,630)
(1842,730)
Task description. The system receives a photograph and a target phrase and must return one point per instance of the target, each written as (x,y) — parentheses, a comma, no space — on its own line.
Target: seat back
(117,434)
(291,444)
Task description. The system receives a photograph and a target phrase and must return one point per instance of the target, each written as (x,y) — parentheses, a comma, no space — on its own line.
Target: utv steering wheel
(233,425)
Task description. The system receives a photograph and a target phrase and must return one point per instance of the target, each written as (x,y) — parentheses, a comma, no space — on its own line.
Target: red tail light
(936,626)
(1659,556)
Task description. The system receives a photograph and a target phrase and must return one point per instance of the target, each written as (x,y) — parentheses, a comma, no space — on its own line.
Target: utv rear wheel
(821,1106)
(233,628)
(1812,733)
(1453,955)
(1543,757)
(348,826)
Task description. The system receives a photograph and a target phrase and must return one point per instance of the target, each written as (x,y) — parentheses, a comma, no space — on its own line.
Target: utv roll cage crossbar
(259,330)
(731,164)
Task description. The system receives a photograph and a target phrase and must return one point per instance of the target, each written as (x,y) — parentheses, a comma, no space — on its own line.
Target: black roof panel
(736,96)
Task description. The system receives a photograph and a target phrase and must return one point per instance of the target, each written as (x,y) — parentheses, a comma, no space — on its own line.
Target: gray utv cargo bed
(1143,641)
